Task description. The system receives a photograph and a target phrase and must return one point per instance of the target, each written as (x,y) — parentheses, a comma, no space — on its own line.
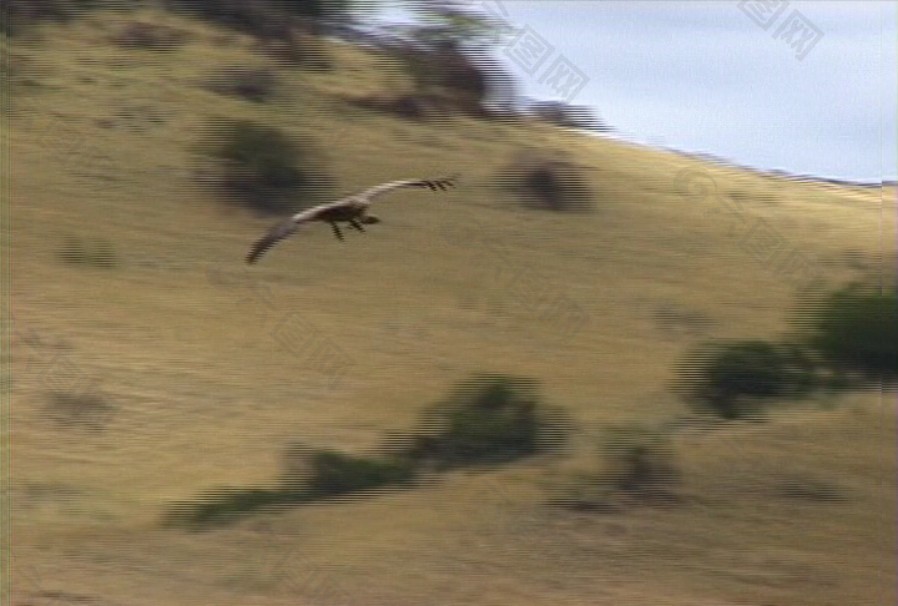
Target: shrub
(299,47)
(251,17)
(738,379)
(489,419)
(408,107)
(264,169)
(88,409)
(21,14)
(226,504)
(563,114)
(286,29)
(548,181)
(335,473)
(255,16)
(324,473)
(309,475)
(855,330)
(256,84)
(445,54)
(447,74)
(150,36)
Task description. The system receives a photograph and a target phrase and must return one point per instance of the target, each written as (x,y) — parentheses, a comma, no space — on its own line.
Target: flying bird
(351,209)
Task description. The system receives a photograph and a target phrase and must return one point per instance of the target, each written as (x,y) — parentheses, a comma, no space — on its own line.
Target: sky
(814,93)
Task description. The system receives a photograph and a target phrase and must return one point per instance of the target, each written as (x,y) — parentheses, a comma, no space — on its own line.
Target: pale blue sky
(703,77)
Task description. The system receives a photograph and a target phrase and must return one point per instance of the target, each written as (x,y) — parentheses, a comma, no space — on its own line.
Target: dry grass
(180,335)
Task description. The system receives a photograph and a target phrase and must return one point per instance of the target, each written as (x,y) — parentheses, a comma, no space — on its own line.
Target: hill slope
(181,339)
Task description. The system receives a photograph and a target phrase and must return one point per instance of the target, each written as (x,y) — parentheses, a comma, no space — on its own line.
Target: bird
(352,209)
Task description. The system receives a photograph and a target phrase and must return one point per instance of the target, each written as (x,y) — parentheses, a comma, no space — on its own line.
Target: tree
(451,24)
(320,13)
(443,53)
(855,329)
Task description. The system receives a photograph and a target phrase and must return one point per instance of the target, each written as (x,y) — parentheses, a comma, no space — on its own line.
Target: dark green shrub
(325,473)
(444,77)
(256,17)
(264,169)
(739,379)
(546,180)
(19,14)
(566,115)
(149,36)
(309,476)
(226,504)
(286,29)
(489,419)
(855,330)
(335,473)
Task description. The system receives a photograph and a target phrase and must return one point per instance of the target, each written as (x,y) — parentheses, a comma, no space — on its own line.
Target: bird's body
(352,210)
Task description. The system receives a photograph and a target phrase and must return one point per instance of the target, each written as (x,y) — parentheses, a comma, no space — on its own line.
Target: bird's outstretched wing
(280,231)
(434,184)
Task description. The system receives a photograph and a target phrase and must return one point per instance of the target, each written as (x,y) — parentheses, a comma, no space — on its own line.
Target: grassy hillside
(178,336)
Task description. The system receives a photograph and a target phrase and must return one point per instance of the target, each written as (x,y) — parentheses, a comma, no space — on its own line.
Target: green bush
(335,473)
(325,473)
(20,14)
(227,504)
(309,475)
(855,330)
(264,169)
(489,419)
(149,36)
(547,180)
(739,379)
